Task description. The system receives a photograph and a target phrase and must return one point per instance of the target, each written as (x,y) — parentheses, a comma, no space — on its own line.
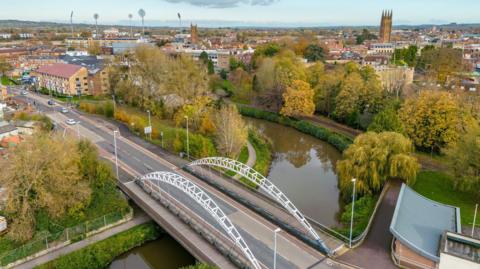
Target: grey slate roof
(419,222)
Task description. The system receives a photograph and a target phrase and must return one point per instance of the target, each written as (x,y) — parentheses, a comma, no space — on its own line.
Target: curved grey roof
(419,222)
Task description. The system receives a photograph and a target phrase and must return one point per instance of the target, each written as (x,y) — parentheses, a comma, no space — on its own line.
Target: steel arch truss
(151,182)
(265,185)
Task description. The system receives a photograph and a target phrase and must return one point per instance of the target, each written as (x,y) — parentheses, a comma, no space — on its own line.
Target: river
(163,253)
(303,167)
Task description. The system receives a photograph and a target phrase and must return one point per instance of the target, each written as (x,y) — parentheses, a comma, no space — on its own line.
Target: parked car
(64,110)
(24,93)
(71,122)
(51,102)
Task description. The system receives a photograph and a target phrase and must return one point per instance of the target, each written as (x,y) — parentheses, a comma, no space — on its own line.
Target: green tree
(203,57)
(464,159)
(375,157)
(210,67)
(431,119)
(365,35)
(387,121)
(406,56)
(441,64)
(314,53)
(298,100)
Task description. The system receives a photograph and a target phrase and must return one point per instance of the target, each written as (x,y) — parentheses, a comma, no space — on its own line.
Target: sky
(246,12)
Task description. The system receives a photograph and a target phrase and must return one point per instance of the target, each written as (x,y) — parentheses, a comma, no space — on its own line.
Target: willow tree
(375,157)
(42,173)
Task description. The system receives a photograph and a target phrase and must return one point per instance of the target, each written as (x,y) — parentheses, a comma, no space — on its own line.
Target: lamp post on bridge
(275,247)
(150,125)
(354,181)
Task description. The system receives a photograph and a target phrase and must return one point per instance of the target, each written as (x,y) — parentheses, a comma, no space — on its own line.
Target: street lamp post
(474,220)
(275,247)
(115,147)
(161,134)
(188,143)
(149,124)
(354,181)
(114,105)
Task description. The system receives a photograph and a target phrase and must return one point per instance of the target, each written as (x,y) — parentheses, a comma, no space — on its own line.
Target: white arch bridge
(264,184)
(151,183)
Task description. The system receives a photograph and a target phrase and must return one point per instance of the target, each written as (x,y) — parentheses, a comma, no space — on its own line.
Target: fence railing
(52,241)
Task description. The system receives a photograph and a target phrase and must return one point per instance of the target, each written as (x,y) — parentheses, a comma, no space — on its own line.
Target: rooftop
(419,222)
(59,70)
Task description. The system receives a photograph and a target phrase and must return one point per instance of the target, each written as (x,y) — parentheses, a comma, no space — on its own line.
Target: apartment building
(67,79)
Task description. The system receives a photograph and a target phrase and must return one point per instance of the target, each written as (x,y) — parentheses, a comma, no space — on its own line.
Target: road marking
(148,167)
(137,159)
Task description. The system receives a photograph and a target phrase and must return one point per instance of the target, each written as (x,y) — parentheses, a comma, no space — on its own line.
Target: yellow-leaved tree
(432,119)
(375,157)
(298,100)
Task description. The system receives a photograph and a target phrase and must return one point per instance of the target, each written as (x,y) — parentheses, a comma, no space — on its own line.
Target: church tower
(386,26)
(194,33)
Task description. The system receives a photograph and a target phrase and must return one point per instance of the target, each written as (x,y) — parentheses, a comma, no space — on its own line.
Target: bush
(339,141)
(363,211)
(101,254)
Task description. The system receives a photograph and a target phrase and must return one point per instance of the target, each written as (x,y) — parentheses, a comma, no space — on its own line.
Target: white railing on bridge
(265,185)
(151,182)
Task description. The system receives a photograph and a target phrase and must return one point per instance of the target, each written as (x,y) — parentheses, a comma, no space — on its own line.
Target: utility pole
(354,181)
(71,23)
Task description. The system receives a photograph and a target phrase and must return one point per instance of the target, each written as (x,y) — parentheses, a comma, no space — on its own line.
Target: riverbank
(101,253)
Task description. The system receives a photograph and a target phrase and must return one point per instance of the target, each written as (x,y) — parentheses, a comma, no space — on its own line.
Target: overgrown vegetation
(263,150)
(364,208)
(339,141)
(101,254)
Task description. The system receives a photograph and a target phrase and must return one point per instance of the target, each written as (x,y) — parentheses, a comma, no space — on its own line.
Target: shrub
(101,254)
(363,211)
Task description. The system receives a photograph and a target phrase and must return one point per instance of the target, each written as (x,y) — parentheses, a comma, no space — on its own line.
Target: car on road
(51,102)
(24,93)
(71,122)
(64,110)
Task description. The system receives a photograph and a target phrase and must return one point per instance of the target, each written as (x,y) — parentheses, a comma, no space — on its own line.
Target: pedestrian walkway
(374,252)
(137,220)
(252,158)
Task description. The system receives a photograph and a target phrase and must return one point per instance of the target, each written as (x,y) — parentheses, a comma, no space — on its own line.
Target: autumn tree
(298,100)
(464,159)
(375,157)
(43,172)
(431,119)
(231,134)
(387,121)
(4,67)
(441,64)
(314,53)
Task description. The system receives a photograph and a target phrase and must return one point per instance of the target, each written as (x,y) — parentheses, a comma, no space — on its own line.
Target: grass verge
(438,186)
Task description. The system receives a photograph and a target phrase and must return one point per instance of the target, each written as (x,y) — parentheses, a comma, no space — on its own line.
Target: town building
(98,83)
(67,79)
(194,33)
(386,27)
(418,225)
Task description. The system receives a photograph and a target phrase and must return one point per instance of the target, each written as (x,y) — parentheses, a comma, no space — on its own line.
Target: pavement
(374,252)
(137,160)
(252,158)
(137,220)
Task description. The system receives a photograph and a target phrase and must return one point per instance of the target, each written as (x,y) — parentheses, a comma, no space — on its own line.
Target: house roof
(7,128)
(419,222)
(59,70)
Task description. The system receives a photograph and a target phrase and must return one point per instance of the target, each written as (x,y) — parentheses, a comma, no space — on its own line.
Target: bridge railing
(223,244)
(64,236)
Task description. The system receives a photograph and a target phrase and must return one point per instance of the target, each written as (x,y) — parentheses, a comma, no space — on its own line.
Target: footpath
(137,220)
(252,158)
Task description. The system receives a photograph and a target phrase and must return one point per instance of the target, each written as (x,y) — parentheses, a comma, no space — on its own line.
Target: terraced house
(67,79)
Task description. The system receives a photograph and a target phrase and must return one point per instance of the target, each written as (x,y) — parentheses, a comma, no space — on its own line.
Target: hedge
(339,141)
(101,254)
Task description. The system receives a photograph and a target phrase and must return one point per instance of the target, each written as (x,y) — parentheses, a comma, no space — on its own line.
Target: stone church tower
(386,26)
(194,33)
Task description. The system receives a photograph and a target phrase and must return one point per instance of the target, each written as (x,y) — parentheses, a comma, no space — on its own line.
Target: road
(257,232)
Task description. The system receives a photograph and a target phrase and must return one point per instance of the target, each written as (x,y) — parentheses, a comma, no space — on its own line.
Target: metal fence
(50,241)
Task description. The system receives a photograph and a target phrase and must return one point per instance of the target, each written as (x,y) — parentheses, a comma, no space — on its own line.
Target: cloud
(224,3)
